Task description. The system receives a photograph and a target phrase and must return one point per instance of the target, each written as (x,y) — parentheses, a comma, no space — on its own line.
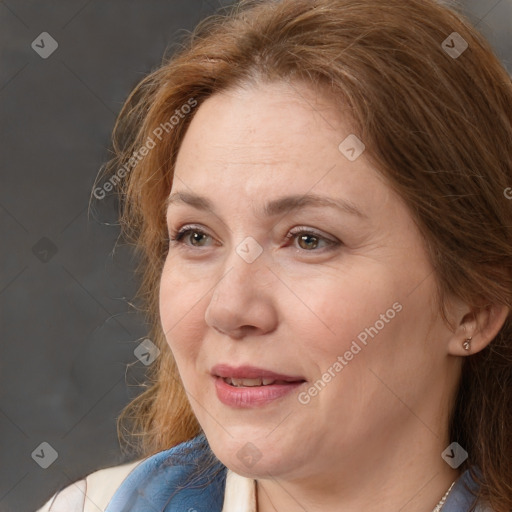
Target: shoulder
(92,493)
(187,473)
(187,476)
(464,495)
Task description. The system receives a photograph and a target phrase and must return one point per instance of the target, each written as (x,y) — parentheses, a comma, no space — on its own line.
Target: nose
(243,301)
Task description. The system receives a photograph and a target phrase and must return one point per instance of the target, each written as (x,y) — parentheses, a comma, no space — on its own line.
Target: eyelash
(176,237)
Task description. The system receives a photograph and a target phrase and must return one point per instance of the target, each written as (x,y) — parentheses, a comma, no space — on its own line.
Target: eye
(309,239)
(184,233)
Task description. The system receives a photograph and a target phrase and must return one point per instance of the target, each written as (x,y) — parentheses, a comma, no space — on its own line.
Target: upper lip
(250,372)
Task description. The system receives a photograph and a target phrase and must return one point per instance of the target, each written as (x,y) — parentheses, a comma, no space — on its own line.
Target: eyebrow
(275,207)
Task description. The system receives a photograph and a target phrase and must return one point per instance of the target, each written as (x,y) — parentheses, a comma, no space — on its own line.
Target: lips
(251,372)
(246,386)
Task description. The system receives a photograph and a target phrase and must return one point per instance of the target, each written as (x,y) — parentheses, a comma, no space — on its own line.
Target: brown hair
(437,126)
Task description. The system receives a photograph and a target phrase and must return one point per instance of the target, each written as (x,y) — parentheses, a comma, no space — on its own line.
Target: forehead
(248,148)
(275,126)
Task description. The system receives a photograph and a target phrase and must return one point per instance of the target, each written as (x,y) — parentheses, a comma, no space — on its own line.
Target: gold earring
(467,343)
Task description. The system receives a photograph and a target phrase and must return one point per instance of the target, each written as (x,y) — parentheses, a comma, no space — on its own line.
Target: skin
(372,438)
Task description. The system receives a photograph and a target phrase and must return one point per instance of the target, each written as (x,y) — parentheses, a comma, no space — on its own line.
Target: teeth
(248,382)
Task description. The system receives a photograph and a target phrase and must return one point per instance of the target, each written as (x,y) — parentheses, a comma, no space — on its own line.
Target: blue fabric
(460,498)
(185,478)
(189,478)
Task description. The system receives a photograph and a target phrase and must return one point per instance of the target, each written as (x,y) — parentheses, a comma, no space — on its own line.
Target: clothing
(176,480)
(91,494)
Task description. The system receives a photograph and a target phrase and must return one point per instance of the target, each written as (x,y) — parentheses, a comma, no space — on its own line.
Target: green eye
(185,232)
(309,240)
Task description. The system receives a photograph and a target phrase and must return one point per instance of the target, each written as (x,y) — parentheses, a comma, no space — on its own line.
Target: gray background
(67,330)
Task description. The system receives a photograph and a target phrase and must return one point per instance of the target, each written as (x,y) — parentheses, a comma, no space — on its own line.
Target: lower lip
(256,396)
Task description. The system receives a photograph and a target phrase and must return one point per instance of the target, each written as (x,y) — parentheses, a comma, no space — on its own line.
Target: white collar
(240,493)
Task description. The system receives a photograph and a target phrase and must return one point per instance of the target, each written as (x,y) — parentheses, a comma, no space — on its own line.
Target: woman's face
(337,301)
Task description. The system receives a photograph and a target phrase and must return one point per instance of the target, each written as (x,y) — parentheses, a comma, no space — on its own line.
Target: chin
(259,458)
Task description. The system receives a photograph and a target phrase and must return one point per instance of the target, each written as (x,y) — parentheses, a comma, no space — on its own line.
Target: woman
(319,193)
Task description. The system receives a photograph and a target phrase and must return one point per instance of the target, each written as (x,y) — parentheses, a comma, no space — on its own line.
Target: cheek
(342,308)
(180,306)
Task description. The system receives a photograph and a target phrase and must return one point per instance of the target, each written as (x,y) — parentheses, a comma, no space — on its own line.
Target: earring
(467,343)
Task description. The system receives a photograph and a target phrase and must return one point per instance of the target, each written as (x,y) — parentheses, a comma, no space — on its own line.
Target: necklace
(439,506)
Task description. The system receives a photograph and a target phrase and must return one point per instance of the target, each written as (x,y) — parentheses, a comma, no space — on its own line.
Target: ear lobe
(477,329)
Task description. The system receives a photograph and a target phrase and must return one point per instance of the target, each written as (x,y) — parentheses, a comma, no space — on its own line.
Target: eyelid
(310,231)
(176,236)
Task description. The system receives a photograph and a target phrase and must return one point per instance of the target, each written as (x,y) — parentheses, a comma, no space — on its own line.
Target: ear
(480,325)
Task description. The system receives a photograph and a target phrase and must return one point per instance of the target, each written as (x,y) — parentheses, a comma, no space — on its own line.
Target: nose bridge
(241,296)
(245,264)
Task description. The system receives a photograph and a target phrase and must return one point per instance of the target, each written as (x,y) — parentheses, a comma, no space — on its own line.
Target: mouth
(248,386)
(251,376)
(250,383)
